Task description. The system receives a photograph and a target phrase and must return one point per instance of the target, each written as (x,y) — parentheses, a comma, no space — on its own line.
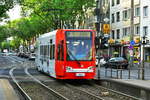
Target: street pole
(97,25)
(143,57)
(132,29)
(143,71)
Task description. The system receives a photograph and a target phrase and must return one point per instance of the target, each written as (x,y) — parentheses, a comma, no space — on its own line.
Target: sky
(13,13)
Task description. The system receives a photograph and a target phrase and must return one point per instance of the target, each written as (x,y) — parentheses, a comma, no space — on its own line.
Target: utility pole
(144,41)
(97,25)
(132,29)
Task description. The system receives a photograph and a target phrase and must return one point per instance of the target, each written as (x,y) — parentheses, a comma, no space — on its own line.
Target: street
(19,69)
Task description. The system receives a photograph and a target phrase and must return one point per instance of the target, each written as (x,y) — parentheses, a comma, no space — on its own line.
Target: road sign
(131,52)
(130,47)
(132,42)
(106,28)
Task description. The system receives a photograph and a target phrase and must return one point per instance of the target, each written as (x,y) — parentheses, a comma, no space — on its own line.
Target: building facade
(120,21)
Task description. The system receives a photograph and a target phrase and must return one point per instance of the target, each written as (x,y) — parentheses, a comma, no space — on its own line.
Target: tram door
(60,59)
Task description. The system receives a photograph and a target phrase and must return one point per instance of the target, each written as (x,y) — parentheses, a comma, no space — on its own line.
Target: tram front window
(79,46)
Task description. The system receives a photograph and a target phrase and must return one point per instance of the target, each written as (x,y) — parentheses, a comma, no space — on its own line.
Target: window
(40,50)
(118,1)
(137,11)
(60,52)
(118,33)
(126,31)
(113,2)
(126,14)
(113,34)
(48,50)
(51,51)
(137,29)
(118,16)
(145,30)
(145,11)
(53,54)
(79,46)
(113,18)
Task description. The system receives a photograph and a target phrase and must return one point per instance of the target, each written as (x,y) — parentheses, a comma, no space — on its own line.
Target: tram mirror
(62,42)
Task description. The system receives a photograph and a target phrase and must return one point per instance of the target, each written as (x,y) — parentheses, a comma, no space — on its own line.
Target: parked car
(117,62)
(100,60)
(32,56)
(26,55)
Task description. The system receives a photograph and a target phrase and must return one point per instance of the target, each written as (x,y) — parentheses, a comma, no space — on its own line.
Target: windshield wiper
(75,59)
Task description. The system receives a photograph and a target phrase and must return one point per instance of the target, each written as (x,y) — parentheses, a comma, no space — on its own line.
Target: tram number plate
(80,74)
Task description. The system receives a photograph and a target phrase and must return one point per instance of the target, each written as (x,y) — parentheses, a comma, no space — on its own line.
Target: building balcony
(136,20)
(136,2)
(127,22)
(126,4)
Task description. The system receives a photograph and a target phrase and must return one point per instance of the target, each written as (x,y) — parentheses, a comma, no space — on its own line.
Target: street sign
(132,42)
(130,47)
(106,28)
(131,52)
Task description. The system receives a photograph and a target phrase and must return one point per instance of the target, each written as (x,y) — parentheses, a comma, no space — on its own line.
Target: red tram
(67,54)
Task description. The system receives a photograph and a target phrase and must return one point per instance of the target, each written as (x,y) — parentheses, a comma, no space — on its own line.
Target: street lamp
(143,55)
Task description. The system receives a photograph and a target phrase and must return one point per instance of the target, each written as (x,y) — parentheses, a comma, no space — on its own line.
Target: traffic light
(104,42)
(97,42)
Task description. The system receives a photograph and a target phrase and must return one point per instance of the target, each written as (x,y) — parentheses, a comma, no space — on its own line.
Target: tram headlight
(91,67)
(68,68)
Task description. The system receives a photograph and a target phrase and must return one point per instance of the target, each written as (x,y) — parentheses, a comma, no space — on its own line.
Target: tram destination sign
(79,34)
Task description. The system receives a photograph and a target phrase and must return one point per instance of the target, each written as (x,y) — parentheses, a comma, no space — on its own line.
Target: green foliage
(5,5)
(59,13)
(5,45)
(43,16)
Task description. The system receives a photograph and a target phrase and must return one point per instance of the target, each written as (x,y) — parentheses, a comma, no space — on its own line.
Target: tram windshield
(79,45)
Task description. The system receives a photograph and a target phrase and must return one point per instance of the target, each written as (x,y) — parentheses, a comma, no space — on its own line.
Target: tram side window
(44,50)
(60,52)
(48,52)
(51,51)
(40,50)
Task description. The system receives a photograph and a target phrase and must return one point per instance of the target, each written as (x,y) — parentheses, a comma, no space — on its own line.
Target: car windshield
(79,45)
(117,59)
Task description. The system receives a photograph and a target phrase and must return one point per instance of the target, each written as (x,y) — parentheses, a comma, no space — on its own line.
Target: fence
(134,72)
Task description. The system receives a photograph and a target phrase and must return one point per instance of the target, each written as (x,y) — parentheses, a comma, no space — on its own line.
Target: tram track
(32,89)
(50,89)
(21,90)
(91,90)
(69,92)
(105,93)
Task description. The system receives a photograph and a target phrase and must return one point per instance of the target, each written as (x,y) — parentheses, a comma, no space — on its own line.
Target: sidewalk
(143,84)
(132,86)
(6,91)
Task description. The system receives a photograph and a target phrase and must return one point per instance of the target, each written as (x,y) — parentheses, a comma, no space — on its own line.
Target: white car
(32,56)
(102,62)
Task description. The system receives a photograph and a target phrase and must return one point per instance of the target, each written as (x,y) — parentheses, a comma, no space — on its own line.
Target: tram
(67,54)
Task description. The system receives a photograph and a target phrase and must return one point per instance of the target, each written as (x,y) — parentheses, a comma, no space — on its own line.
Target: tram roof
(55,31)
(48,34)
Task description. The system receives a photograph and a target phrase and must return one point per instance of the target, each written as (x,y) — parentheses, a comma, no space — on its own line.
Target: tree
(5,5)
(59,13)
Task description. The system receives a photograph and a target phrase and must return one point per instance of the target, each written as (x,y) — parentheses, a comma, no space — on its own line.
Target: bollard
(98,71)
(117,73)
(105,72)
(138,73)
(111,72)
(121,73)
(129,72)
